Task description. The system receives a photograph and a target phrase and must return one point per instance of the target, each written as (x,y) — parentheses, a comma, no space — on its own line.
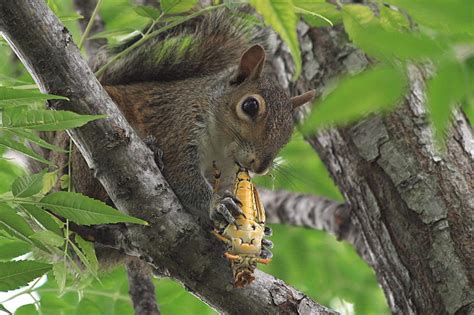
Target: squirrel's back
(202,46)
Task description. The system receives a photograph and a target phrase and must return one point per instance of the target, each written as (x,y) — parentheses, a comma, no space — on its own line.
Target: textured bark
(413,204)
(316,213)
(174,242)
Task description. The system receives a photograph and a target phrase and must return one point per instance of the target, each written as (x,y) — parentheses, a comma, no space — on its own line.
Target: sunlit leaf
(28,185)
(16,146)
(14,224)
(27,309)
(148,12)
(325,9)
(9,96)
(43,218)
(70,17)
(11,249)
(444,90)
(377,89)
(280,15)
(385,44)
(17,274)
(45,120)
(177,6)
(32,137)
(48,238)
(84,210)
(87,306)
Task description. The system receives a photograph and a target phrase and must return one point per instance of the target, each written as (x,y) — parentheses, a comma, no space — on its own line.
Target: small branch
(141,288)
(87,8)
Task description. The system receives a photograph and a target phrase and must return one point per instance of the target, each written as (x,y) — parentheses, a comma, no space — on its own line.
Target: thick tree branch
(317,213)
(414,205)
(174,241)
(141,288)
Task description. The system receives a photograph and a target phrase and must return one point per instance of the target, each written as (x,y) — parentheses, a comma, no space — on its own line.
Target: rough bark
(413,204)
(174,241)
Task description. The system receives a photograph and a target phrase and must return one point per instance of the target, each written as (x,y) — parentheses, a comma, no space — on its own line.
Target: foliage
(436,35)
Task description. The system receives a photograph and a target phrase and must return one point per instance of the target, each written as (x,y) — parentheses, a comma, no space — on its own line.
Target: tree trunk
(414,204)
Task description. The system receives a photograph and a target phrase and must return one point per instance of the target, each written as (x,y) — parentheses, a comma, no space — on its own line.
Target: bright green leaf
(148,12)
(177,6)
(48,238)
(27,309)
(84,210)
(45,120)
(60,274)
(88,250)
(32,137)
(86,306)
(9,144)
(18,273)
(9,96)
(14,224)
(386,44)
(43,217)
(10,249)
(112,33)
(49,180)
(28,185)
(70,17)
(280,15)
(342,107)
(327,10)
(444,90)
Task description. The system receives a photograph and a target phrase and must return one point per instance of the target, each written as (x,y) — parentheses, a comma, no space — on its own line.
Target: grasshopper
(244,237)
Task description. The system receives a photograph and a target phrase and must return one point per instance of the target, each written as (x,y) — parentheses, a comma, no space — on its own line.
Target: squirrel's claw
(267,243)
(229,194)
(268,231)
(152,143)
(220,213)
(266,254)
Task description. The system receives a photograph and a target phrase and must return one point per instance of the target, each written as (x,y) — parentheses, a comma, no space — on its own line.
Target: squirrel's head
(261,113)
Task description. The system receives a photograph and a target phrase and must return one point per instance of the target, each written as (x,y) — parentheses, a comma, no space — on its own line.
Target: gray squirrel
(202,90)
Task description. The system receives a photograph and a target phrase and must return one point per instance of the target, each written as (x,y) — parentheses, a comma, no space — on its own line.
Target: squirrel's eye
(250,106)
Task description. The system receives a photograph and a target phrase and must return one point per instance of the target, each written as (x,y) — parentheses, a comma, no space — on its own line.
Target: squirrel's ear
(303,98)
(251,63)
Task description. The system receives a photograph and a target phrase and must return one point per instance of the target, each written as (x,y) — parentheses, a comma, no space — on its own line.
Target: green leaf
(84,210)
(32,137)
(86,306)
(454,16)
(48,238)
(88,250)
(27,309)
(60,274)
(327,10)
(49,180)
(43,217)
(45,120)
(177,6)
(9,144)
(444,90)
(280,15)
(9,171)
(3,309)
(10,249)
(386,44)
(14,224)
(113,33)
(28,185)
(17,274)
(70,17)
(10,96)
(376,89)
(148,12)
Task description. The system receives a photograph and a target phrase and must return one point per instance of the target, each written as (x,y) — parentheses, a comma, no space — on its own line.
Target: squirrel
(203,91)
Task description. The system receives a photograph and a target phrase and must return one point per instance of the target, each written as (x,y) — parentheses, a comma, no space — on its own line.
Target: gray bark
(413,204)
(174,241)
(141,289)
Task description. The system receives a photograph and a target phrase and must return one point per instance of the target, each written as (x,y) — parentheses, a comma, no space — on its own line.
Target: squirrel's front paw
(225,209)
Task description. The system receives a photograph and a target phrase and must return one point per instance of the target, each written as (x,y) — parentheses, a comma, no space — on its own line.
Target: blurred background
(312,261)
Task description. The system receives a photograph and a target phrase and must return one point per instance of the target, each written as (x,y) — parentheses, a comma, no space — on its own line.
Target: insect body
(244,237)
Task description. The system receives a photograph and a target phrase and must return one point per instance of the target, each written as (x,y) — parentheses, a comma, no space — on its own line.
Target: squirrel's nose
(262,167)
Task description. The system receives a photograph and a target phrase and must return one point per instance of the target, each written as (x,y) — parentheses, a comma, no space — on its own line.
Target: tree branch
(141,289)
(125,167)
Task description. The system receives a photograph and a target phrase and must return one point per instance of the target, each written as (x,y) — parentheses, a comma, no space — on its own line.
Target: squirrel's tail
(201,46)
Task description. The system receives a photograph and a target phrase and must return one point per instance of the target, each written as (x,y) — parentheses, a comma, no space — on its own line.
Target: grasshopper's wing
(259,206)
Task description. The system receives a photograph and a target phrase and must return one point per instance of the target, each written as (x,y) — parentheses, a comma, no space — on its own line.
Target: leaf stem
(89,25)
